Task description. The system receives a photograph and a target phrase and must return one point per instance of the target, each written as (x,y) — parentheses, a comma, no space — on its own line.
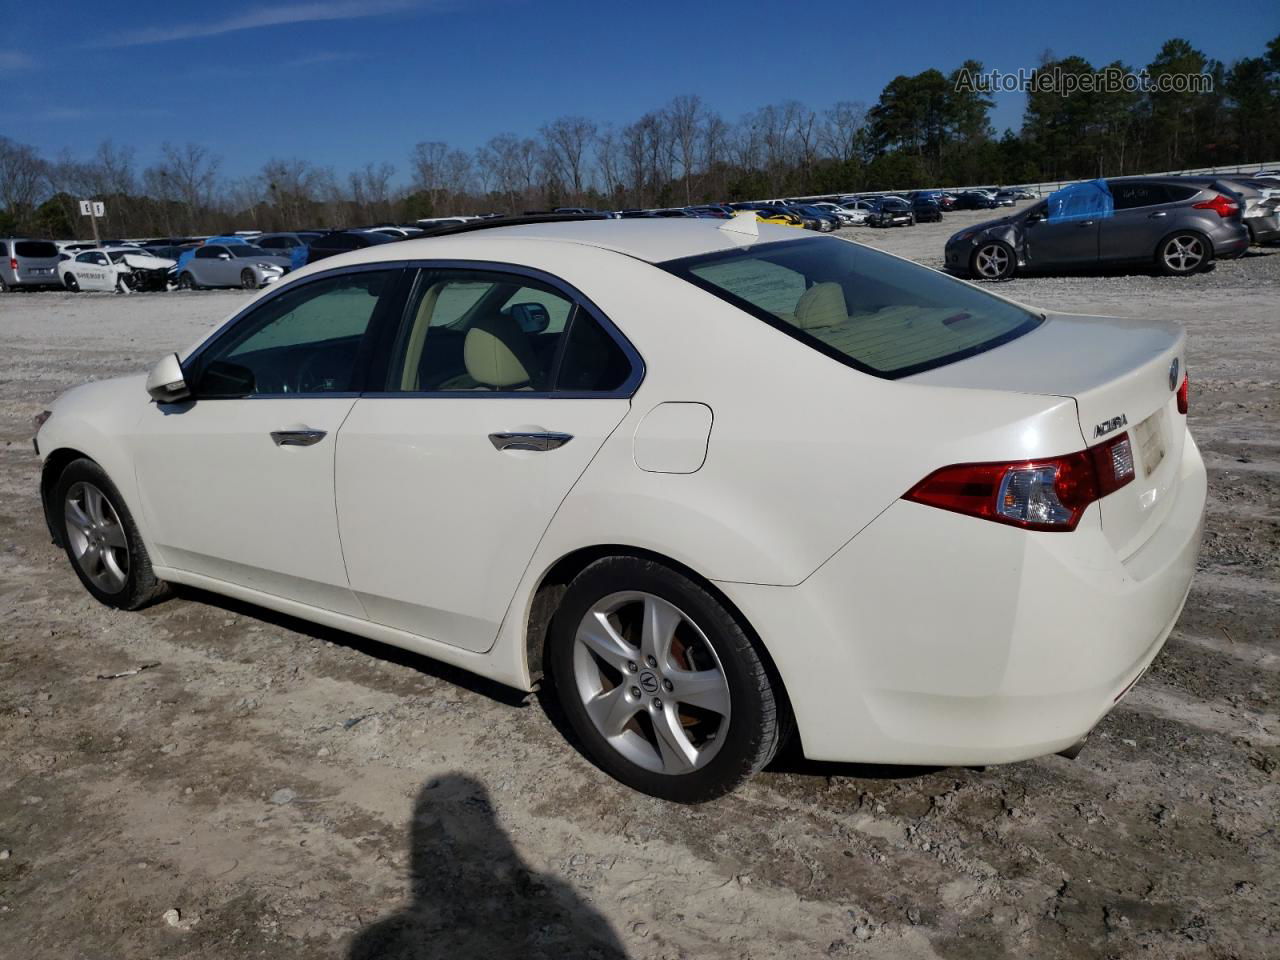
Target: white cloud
(271,16)
(15,60)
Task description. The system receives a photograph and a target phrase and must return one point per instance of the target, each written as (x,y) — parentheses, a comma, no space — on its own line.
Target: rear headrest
(497,352)
(822,305)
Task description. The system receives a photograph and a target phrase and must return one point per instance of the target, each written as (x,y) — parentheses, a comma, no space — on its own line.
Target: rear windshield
(35,248)
(874,312)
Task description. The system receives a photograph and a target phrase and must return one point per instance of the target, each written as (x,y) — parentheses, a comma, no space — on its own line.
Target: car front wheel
(660,682)
(248,280)
(101,538)
(993,260)
(1182,254)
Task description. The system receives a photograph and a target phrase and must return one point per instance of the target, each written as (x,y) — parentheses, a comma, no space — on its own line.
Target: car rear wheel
(993,260)
(1182,254)
(186,281)
(101,538)
(71,283)
(248,280)
(660,682)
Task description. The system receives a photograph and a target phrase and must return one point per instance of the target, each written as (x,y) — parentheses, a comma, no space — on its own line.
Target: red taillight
(1183,394)
(1050,494)
(13,264)
(1222,206)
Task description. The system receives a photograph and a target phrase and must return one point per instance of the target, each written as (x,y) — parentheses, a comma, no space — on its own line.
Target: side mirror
(166,383)
(224,256)
(532,317)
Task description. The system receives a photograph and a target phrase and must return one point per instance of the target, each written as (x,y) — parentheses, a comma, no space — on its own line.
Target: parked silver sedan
(232,265)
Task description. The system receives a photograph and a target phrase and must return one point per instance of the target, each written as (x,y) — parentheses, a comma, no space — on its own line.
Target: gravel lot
(295,792)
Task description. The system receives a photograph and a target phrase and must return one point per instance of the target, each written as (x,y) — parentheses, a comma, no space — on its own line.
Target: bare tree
(684,117)
(567,140)
(609,160)
(500,162)
(371,191)
(294,188)
(841,125)
(191,171)
(427,167)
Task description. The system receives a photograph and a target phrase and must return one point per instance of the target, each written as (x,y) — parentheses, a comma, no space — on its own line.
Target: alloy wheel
(651,682)
(991,261)
(96,536)
(1183,254)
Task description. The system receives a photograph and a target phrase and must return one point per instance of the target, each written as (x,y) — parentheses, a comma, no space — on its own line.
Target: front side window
(477,331)
(874,312)
(306,339)
(209,253)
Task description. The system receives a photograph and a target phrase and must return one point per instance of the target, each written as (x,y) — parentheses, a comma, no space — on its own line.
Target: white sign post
(93,209)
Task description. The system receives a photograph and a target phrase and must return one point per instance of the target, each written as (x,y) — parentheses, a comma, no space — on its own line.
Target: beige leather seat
(498,355)
(822,305)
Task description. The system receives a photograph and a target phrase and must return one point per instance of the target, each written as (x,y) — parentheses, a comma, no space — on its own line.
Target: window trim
(681,268)
(379,368)
(191,363)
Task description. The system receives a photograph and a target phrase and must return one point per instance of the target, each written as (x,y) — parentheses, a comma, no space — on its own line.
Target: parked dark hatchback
(1177,226)
(343,241)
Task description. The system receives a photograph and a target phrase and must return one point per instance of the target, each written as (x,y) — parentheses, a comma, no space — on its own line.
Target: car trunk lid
(1123,376)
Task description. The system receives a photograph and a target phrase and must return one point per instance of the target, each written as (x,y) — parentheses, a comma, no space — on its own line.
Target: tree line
(928,129)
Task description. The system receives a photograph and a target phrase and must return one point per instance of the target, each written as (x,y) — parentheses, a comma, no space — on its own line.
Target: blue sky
(340,82)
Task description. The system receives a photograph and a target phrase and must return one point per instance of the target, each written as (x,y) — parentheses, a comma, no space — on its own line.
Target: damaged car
(1178,227)
(123,269)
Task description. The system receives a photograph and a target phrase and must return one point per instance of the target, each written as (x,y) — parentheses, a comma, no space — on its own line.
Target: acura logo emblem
(649,682)
(1173,374)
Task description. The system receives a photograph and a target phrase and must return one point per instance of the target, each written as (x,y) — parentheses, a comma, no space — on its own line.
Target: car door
(237,483)
(500,387)
(1143,215)
(93,271)
(204,266)
(1070,241)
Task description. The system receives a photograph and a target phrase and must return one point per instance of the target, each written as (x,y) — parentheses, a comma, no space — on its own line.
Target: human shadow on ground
(472,896)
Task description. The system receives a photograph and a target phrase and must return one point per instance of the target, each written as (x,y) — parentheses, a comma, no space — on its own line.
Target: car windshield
(874,312)
(118,255)
(248,251)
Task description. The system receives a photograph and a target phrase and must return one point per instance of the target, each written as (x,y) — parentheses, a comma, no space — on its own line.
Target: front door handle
(1086,223)
(538,442)
(296,438)
(1158,213)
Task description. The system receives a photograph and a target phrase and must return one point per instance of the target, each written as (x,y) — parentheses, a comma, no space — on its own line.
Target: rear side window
(1178,193)
(37,249)
(874,312)
(473,331)
(1129,195)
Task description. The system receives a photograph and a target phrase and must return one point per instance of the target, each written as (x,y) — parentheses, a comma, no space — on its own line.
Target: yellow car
(780,217)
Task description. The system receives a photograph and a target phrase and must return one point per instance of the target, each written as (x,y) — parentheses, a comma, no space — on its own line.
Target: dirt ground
(294,792)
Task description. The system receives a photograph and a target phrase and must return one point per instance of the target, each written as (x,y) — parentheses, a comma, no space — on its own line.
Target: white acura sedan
(715,482)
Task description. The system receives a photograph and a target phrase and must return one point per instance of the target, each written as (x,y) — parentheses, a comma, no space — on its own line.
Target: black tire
(4,287)
(71,283)
(993,260)
(140,586)
(186,281)
(1196,253)
(758,718)
(247,280)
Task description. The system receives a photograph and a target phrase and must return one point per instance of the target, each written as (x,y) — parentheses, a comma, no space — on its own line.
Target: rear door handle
(1086,223)
(1158,213)
(537,442)
(296,438)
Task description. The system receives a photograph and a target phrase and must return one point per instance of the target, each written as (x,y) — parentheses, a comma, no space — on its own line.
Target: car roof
(653,240)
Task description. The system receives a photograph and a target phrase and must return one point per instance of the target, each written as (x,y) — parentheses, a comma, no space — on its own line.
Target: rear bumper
(934,638)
